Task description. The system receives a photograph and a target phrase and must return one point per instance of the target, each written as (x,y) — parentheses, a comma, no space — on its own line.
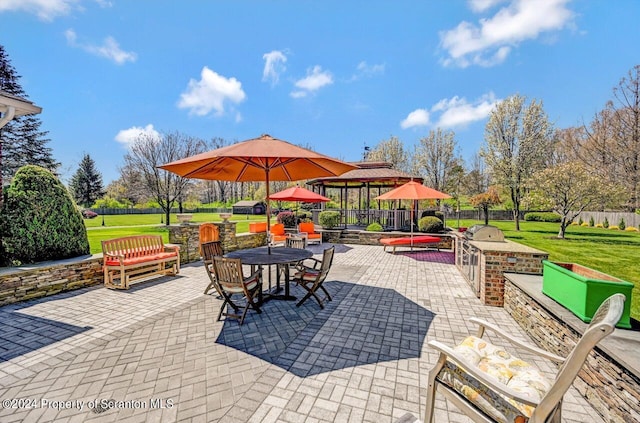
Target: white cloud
(365,70)
(128,136)
(419,117)
(211,93)
(47,10)
(316,78)
(456,111)
(110,49)
(273,66)
(490,42)
(482,5)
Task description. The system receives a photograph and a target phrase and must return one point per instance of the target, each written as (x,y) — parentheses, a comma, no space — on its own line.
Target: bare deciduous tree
(390,151)
(518,143)
(627,112)
(147,153)
(436,157)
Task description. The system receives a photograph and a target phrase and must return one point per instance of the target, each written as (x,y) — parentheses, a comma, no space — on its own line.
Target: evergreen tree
(86,183)
(21,140)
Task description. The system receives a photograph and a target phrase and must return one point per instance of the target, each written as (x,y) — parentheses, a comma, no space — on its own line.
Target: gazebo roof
(375,174)
(21,106)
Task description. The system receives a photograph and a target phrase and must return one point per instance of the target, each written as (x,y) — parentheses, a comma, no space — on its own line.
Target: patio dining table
(282,257)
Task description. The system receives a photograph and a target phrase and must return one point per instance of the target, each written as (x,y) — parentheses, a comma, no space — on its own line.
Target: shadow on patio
(362,325)
(21,333)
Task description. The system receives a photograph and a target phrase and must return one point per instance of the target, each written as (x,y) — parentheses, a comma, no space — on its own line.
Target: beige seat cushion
(509,370)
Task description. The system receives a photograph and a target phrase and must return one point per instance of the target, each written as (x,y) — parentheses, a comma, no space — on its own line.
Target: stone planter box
(582,290)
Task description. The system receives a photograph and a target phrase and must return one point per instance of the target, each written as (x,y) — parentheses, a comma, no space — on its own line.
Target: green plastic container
(582,290)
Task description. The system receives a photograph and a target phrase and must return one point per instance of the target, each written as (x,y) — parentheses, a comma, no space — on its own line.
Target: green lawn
(137,224)
(613,252)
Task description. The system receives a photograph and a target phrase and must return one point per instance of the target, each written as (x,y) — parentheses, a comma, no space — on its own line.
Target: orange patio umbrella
(299,194)
(413,191)
(259,159)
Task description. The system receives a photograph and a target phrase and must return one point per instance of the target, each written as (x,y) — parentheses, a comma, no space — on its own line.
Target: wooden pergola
(370,176)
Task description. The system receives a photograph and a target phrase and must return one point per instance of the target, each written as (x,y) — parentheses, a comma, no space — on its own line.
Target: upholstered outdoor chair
(277,234)
(312,278)
(231,281)
(489,384)
(209,250)
(310,229)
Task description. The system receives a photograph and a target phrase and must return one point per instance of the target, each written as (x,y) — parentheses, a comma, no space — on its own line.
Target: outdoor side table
(280,256)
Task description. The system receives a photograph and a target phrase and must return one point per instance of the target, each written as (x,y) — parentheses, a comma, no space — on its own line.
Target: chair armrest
(481,376)
(531,348)
(255,275)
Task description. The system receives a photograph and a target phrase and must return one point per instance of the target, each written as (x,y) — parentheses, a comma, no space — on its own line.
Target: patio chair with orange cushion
(309,229)
(489,384)
(312,278)
(277,234)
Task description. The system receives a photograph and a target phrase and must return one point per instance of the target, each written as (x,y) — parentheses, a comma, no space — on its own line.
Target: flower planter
(582,290)
(184,218)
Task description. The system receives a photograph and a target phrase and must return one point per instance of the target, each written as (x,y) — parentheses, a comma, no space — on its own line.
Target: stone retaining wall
(612,390)
(44,279)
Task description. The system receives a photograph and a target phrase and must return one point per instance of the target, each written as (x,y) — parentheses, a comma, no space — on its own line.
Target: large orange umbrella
(413,191)
(259,159)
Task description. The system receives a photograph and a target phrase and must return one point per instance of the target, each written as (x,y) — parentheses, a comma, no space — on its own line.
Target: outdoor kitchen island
(483,256)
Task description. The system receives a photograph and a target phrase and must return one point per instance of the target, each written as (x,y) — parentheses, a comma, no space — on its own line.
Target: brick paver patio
(156,353)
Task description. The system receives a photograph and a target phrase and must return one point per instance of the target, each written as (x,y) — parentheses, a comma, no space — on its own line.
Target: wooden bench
(418,240)
(136,257)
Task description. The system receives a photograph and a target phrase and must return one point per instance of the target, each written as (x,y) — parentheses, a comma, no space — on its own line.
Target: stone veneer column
(187,236)
(228,236)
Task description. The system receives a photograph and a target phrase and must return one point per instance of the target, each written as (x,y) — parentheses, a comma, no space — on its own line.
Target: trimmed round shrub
(375,227)
(622,224)
(287,218)
(544,217)
(329,219)
(631,229)
(430,224)
(39,220)
(614,227)
(435,213)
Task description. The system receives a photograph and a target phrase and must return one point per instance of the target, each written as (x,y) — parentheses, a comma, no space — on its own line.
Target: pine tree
(21,140)
(86,183)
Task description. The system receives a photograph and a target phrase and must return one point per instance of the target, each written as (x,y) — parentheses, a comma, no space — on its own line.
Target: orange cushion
(307,227)
(420,239)
(314,236)
(277,229)
(139,260)
(257,227)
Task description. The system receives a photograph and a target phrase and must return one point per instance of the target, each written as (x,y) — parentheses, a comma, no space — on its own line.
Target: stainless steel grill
(484,233)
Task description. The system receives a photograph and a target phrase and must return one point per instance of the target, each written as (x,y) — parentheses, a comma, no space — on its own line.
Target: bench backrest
(133,246)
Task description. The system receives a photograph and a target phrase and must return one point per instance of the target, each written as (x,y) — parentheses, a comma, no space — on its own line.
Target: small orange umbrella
(299,194)
(413,191)
(259,159)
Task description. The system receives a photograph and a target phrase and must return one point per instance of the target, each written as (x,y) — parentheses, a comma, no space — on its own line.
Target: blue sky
(334,75)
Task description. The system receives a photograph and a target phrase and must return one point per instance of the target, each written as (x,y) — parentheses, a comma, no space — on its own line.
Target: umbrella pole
(268,217)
